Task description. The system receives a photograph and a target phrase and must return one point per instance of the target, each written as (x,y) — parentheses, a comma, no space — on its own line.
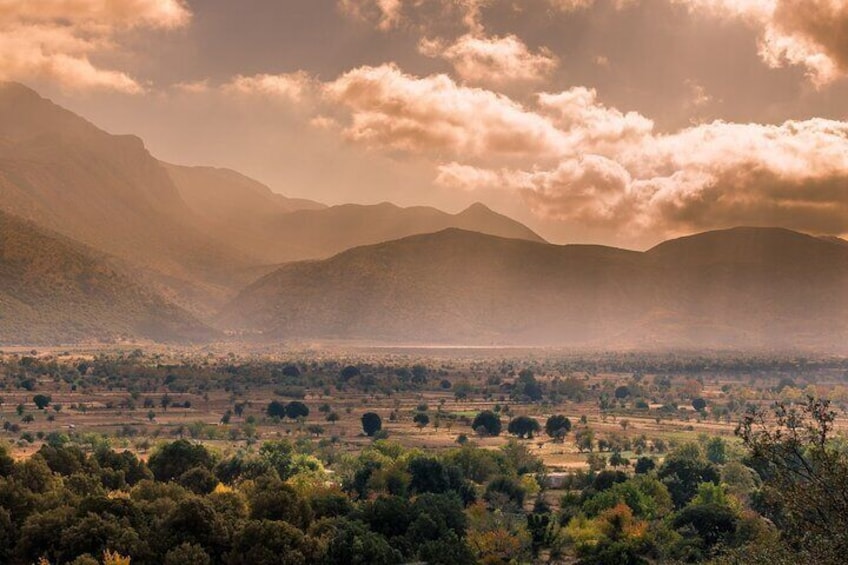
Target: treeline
(780,501)
(188,505)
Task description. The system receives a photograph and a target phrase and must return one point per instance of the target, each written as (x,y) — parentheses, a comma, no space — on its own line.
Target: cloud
(294,87)
(494,61)
(192,87)
(588,189)
(55,39)
(571,5)
(396,111)
(808,33)
(386,15)
(711,175)
(98,13)
(588,124)
(574,159)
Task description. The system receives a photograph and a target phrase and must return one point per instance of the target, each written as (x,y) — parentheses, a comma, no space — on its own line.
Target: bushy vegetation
(292,463)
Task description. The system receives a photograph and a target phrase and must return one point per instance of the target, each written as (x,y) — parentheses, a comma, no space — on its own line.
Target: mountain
(275,229)
(108,192)
(226,197)
(53,290)
(194,234)
(321,233)
(308,234)
(746,287)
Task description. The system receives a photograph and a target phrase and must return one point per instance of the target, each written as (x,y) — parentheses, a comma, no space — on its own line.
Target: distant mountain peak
(476,207)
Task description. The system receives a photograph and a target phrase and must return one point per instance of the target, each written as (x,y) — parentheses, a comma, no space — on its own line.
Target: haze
(619,122)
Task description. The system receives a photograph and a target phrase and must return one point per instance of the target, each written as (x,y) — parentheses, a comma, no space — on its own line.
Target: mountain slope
(452,286)
(108,192)
(53,290)
(224,196)
(750,287)
(196,234)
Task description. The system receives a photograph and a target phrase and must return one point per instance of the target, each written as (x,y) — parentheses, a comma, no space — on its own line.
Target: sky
(620,122)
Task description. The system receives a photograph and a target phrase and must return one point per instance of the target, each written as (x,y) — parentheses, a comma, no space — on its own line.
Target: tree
(276,409)
(699,404)
(616,459)
(7,464)
(194,520)
(622,392)
(353,543)
(523,427)
(266,542)
(585,439)
(349,372)
(684,470)
(173,459)
(805,476)
(291,371)
(505,489)
(712,522)
(296,409)
(371,423)
(557,427)
(41,401)
(280,455)
(428,474)
(644,465)
(199,480)
(421,419)
(487,423)
(527,387)
(717,451)
(419,374)
(273,499)
(187,553)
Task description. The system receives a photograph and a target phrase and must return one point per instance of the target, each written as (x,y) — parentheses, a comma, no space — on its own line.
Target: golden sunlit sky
(613,121)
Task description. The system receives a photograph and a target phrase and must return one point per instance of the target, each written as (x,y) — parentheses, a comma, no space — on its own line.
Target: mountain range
(101,241)
(744,287)
(276,229)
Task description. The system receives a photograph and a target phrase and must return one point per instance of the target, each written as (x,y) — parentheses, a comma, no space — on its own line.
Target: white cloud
(808,33)
(575,159)
(494,61)
(294,87)
(711,175)
(55,39)
(393,110)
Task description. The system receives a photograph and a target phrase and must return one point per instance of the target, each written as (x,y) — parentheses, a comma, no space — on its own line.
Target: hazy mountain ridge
(277,229)
(107,192)
(747,287)
(313,234)
(54,290)
(225,196)
(195,234)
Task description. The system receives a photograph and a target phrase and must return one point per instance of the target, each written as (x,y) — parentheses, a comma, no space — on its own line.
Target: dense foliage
(285,481)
